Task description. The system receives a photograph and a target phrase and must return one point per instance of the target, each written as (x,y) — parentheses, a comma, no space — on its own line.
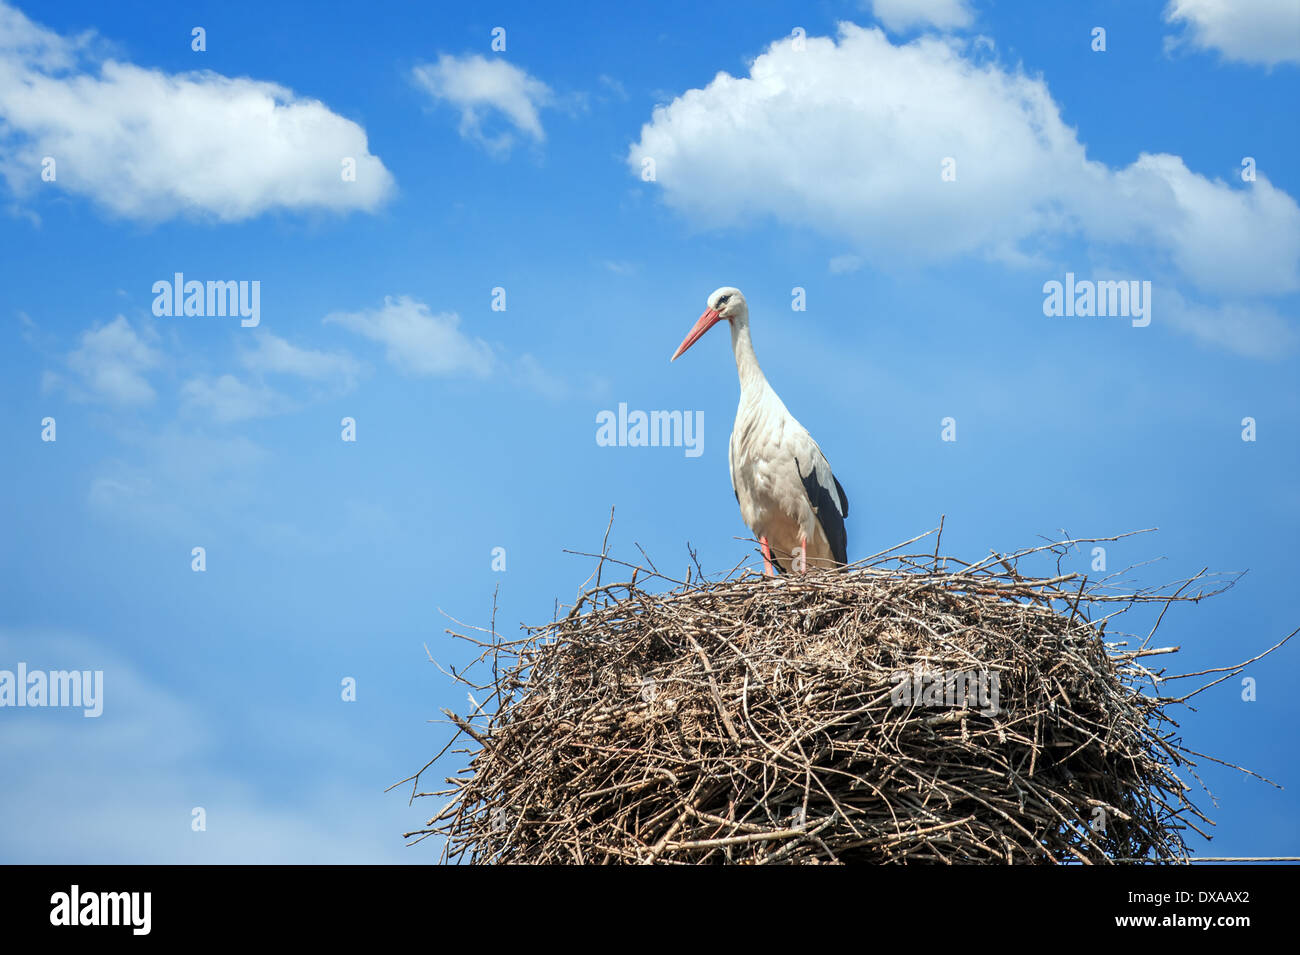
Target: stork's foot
(767,558)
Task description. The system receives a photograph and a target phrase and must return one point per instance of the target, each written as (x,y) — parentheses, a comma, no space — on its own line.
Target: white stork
(783,483)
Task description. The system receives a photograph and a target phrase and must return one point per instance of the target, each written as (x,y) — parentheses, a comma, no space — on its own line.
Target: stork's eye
(723,301)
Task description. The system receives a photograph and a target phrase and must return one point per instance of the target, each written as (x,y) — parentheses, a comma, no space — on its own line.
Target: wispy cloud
(177,480)
(1246,328)
(151,145)
(480,88)
(532,374)
(273,355)
(125,791)
(901,15)
(419,341)
(110,362)
(613,88)
(230,399)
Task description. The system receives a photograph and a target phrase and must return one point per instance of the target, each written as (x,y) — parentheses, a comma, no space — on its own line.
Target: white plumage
(783,483)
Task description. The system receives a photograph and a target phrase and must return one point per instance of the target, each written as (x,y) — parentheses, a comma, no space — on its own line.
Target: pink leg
(803,553)
(767,558)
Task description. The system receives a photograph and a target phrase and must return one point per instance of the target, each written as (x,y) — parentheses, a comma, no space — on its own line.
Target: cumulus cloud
(418,341)
(849,139)
(110,361)
(900,15)
(151,145)
(480,88)
(1266,32)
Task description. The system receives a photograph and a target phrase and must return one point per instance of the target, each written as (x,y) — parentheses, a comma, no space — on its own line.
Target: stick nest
(752,720)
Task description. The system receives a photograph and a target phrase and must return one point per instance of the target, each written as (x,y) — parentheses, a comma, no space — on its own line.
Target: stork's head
(725,303)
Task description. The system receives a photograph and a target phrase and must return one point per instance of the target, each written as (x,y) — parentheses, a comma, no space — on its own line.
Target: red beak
(707,321)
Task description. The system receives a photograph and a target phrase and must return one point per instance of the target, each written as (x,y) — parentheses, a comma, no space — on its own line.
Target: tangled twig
(829,717)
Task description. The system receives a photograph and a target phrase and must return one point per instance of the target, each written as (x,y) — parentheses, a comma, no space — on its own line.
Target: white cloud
(421,342)
(228,399)
(847,139)
(1223,239)
(900,15)
(272,354)
(151,145)
(1251,31)
(418,341)
(110,362)
(479,87)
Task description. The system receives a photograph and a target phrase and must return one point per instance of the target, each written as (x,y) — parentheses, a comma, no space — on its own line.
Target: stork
(782,481)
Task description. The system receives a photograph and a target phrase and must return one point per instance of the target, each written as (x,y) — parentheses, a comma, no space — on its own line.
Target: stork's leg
(767,558)
(803,553)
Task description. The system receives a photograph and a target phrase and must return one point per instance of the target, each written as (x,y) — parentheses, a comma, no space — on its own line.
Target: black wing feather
(830,513)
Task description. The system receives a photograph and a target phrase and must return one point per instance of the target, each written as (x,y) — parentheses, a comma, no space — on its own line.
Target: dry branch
(748,720)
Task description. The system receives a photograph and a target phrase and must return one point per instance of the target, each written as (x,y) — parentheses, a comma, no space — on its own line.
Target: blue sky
(782,160)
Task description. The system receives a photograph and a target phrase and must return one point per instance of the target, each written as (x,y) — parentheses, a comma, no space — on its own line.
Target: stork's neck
(751,376)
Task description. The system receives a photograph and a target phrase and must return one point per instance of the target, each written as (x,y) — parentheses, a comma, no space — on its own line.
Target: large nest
(904,710)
